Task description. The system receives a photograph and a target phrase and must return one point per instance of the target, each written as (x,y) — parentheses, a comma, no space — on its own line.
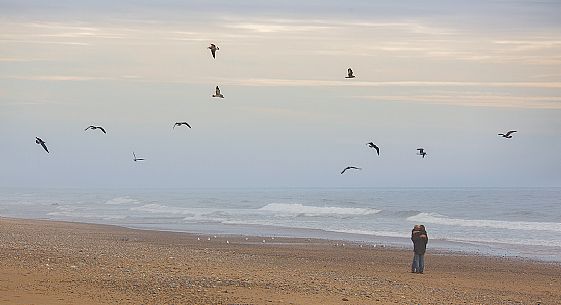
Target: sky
(443,75)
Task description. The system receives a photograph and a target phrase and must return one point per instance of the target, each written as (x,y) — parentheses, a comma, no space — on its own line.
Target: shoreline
(487,249)
(53,262)
(490,249)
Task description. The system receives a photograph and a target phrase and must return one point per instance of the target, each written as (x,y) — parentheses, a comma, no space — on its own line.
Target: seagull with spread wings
(135,159)
(350,167)
(213,49)
(96,127)
(42,143)
(508,135)
(217,93)
(181,123)
(350,73)
(372,145)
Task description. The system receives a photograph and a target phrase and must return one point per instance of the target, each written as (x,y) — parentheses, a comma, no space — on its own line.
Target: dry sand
(43,262)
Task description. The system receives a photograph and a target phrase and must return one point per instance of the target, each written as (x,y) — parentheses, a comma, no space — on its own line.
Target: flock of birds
(213,48)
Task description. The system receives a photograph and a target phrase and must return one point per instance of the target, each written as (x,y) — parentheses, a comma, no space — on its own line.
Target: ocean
(513,222)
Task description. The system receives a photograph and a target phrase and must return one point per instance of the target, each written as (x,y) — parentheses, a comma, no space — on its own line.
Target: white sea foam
(374,233)
(436,218)
(151,208)
(512,241)
(161,209)
(307,210)
(121,200)
(91,215)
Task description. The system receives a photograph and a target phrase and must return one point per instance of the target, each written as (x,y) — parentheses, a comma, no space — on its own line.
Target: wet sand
(43,262)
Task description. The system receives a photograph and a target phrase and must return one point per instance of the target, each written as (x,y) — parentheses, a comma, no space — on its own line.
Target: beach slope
(43,262)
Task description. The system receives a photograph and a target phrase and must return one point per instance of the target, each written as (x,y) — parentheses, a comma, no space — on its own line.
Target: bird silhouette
(350,167)
(508,135)
(218,94)
(96,127)
(422,152)
(213,49)
(350,73)
(181,123)
(42,143)
(372,145)
(135,159)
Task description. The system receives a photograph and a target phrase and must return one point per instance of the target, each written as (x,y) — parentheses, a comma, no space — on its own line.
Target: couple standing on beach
(420,239)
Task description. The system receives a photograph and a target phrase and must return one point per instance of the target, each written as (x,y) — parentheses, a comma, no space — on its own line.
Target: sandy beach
(44,262)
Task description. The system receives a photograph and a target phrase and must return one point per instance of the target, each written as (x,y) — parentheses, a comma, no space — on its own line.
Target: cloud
(31,102)
(73,43)
(59,78)
(272,82)
(523,45)
(500,101)
(20,59)
(277,28)
(548,75)
(353,83)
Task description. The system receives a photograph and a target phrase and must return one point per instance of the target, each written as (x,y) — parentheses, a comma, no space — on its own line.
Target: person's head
(417,227)
(422,227)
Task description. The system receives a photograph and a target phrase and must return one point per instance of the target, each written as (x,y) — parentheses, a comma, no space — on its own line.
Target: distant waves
(307,210)
(435,218)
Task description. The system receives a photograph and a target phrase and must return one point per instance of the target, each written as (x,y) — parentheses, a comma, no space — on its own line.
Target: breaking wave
(307,210)
(436,218)
(121,200)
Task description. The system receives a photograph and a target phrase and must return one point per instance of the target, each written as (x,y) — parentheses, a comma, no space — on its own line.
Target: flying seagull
(135,159)
(213,49)
(372,145)
(422,152)
(181,123)
(350,167)
(218,94)
(39,141)
(508,134)
(95,127)
(350,73)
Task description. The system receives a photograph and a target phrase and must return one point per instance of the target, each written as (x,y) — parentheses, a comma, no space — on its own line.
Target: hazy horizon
(443,75)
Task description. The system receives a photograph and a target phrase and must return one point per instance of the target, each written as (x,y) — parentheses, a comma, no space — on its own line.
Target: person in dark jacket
(420,239)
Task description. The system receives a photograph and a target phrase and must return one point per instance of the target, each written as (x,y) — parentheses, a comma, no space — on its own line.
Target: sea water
(498,221)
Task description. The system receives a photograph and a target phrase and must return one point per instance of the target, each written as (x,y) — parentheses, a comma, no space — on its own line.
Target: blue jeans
(418,265)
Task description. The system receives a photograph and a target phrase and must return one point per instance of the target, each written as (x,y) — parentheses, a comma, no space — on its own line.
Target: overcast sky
(443,75)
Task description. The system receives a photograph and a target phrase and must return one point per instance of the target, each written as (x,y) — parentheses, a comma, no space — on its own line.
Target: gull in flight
(422,152)
(218,94)
(350,167)
(181,123)
(213,49)
(39,141)
(135,159)
(350,73)
(372,145)
(508,134)
(95,127)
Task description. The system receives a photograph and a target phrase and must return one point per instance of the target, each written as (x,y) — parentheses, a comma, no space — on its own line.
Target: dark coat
(420,240)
